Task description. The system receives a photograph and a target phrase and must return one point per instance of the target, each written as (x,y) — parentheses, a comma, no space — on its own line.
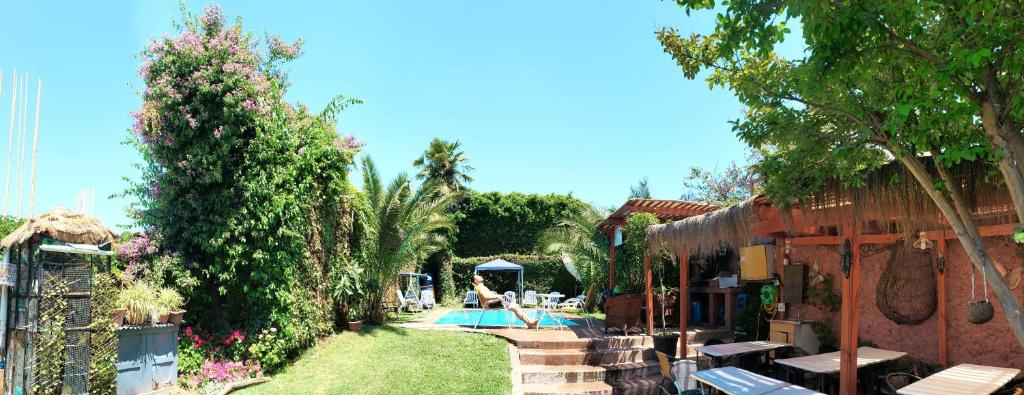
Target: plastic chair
(506,301)
(471,299)
(509,295)
(677,374)
(427,299)
(529,298)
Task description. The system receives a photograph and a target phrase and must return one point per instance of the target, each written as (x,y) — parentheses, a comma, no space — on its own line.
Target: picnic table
(719,351)
(964,379)
(736,381)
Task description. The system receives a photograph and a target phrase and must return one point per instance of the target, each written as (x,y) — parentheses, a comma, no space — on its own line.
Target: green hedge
(540,273)
(494,223)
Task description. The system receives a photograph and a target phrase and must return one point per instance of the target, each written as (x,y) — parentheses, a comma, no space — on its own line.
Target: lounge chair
(509,295)
(529,298)
(506,301)
(471,299)
(573,303)
(427,299)
(407,304)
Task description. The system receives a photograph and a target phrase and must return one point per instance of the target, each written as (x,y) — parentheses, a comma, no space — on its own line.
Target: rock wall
(991,344)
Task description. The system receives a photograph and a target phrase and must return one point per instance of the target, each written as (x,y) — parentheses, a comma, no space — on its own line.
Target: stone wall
(992,343)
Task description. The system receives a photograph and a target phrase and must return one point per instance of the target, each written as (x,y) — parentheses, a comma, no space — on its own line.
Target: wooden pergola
(665,210)
(790,225)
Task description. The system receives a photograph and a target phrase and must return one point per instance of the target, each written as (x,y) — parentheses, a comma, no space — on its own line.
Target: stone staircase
(592,366)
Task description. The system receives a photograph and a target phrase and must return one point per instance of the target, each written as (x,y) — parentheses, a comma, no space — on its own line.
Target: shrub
(244,189)
(540,273)
(493,223)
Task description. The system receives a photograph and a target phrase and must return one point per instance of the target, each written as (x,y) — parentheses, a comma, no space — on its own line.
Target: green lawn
(393,360)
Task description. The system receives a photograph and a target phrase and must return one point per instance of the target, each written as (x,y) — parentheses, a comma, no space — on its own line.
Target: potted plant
(118,316)
(138,300)
(666,342)
(171,302)
(348,287)
(355,317)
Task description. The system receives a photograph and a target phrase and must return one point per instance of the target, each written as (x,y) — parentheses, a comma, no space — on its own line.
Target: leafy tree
(719,188)
(640,191)
(629,270)
(401,227)
(245,187)
(579,242)
(444,162)
(929,84)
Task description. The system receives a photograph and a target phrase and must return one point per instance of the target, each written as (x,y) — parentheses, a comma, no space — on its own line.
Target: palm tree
(401,226)
(446,164)
(582,246)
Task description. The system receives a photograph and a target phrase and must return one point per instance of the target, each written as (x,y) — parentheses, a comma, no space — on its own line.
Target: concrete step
(592,388)
(640,386)
(593,358)
(584,344)
(543,374)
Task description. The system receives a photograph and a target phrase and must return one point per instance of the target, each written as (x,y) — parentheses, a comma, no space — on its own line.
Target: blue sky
(565,97)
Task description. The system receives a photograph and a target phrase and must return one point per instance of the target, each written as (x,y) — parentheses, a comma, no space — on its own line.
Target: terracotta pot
(175,317)
(355,326)
(161,319)
(118,317)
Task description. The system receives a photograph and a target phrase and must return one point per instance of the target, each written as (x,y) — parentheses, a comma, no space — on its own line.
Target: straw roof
(61,224)
(703,234)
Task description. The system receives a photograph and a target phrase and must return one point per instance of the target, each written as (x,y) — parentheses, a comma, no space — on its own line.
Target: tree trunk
(970,238)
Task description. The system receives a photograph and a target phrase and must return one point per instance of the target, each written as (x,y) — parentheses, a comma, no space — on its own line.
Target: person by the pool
(491,300)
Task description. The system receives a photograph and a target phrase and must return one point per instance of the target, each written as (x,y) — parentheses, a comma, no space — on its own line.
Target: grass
(393,360)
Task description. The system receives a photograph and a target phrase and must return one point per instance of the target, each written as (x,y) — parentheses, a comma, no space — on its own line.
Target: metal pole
(35,153)
(10,143)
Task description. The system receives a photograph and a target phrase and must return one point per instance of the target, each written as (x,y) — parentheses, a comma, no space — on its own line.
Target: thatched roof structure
(895,202)
(703,234)
(61,224)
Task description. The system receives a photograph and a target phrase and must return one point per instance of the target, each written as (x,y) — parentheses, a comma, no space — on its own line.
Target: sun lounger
(471,299)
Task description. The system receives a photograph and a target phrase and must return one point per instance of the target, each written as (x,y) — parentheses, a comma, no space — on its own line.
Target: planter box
(147,358)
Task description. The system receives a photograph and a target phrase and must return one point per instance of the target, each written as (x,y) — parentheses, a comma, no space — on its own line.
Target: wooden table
(736,381)
(827,364)
(718,351)
(964,379)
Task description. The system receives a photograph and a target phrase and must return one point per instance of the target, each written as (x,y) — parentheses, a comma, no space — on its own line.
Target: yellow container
(755,262)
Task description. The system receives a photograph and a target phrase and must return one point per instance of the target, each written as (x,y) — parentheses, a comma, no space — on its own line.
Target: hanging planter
(980,311)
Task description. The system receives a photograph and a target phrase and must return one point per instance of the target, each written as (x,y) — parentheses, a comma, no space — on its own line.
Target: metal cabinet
(147,358)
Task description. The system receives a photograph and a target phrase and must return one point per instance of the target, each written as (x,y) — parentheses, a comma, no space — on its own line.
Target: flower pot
(118,317)
(161,318)
(979,311)
(132,317)
(355,326)
(666,343)
(176,317)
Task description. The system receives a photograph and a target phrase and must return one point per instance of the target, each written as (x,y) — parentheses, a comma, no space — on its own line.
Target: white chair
(471,299)
(407,304)
(573,303)
(529,298)
(427,299)
(683,370)
(551,300)
(510,296)
(505,302)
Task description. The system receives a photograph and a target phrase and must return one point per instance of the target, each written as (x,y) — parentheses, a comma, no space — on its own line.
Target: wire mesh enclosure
(49,320)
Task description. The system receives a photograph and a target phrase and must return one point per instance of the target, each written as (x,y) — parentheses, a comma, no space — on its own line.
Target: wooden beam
(611,258)
(889,238)
(816,240)
(684,298)
(849,318)
(940,246)
(648,292)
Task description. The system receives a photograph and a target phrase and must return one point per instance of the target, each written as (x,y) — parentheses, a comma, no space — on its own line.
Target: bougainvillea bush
(245,189)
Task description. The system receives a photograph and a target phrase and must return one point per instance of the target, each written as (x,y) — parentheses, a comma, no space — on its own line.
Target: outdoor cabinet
(147,358)
(796,333)
(755,262)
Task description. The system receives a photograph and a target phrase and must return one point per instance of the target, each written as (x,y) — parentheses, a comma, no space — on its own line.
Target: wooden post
(649,294)
(940,245)
(611,258)
(684,298)
(849,318)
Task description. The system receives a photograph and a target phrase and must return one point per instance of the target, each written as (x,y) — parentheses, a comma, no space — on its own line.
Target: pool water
(498,318)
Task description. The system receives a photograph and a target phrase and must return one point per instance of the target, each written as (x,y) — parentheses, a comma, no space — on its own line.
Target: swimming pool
(498,318)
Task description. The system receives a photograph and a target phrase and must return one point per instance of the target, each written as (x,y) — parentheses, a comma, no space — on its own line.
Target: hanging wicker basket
(906,291)
(980,311)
